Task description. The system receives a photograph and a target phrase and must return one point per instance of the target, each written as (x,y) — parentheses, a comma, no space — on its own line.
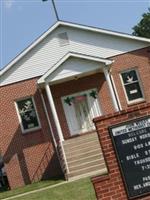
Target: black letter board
(131,141)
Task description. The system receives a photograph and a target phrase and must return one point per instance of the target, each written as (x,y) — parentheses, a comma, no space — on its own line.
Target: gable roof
(73,25)
(74,55)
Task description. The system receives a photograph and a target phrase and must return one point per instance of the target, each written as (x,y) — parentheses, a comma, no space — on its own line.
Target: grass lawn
(34,186)
(76,190)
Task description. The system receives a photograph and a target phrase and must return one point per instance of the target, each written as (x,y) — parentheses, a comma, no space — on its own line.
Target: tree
(142,29)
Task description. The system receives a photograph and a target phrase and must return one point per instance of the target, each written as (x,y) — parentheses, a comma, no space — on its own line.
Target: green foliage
(142,29)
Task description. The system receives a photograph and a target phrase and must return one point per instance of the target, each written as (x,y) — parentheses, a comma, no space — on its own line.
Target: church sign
(131,141)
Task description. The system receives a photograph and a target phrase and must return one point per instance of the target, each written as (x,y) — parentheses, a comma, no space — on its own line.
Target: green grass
(28,188)
(76,190)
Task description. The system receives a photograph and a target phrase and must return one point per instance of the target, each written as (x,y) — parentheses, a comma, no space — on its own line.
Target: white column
(107,76)
(52,106)
(55,143)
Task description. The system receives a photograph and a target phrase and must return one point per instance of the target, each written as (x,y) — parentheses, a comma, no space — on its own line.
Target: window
(27,114)
(132,86)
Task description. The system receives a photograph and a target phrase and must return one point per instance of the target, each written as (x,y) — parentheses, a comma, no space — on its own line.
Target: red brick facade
(140,60)
(23,153)
(110,186)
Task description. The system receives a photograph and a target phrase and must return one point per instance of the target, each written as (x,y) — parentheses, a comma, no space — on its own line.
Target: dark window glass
(131,84)
(28,114)
(129,76)
(133,91)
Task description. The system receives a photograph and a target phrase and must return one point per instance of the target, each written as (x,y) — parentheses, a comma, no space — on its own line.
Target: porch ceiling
(73,66)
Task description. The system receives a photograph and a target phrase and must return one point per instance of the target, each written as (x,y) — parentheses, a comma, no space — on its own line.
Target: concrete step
(77,146)
(73,157)
(80,139)
(86,165)
(89,174)
(84,149)
(90,169)
(84,156)
(85,159)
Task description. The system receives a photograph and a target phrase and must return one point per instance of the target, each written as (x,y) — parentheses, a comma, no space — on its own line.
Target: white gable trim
(83,27)
(99,30)
(75,55)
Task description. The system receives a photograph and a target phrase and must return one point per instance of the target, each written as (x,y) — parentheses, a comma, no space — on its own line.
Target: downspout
(115,92)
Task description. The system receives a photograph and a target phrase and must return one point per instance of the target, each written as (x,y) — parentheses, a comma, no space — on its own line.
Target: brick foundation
(111,186)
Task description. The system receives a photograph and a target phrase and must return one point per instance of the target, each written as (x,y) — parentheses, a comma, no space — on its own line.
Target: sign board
(132,145)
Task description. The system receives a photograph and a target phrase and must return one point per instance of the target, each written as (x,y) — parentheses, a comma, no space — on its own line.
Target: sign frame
(110,129)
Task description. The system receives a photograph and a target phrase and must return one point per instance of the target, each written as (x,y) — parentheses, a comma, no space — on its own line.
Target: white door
(80,109)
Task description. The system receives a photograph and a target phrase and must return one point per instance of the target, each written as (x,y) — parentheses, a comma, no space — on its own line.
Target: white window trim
(19,117)
(140,84)
(112,78)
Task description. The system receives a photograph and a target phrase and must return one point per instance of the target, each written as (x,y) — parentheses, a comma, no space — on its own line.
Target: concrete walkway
(35,191)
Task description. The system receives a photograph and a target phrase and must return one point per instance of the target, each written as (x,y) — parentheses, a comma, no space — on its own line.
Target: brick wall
(110,186)
(140,60)
(24,152)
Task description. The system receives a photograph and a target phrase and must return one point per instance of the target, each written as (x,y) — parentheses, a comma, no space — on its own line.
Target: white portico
(79,108)
(74,66)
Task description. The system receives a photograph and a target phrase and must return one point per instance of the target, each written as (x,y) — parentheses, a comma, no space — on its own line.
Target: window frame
(140,84)
(20,119)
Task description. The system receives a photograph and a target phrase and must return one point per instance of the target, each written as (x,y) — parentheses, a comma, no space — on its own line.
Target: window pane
(129,76)
(133,91)
(28,114)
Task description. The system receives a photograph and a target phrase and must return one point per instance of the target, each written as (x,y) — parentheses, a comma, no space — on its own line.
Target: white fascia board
(75,55)
(109,32)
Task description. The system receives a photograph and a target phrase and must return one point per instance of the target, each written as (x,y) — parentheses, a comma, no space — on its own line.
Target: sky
(23,21)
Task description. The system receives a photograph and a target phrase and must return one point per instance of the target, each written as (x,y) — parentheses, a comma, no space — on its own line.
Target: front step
(86,137)
(84,156)
(82,149)
(90,174)
(84,160)
(101,168)
(76,146)
(86,165)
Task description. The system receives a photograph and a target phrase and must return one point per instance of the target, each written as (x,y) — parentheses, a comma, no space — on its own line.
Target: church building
(57,95)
